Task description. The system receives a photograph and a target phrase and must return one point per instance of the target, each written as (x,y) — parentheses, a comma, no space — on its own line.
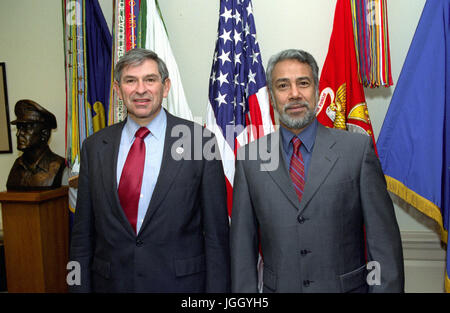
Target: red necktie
(297,168)
(131,178)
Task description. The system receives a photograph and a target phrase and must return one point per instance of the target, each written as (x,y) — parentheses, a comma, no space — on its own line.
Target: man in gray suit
(164,227)
(322,218)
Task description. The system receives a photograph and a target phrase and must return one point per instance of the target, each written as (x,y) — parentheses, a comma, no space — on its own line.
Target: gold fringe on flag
(420,203)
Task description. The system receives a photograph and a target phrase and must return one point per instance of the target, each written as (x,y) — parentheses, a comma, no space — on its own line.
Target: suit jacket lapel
(322,161)
(281,174)
(167,173)
(109,154)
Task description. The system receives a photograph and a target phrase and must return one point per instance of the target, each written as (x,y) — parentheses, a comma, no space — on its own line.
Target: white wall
(32,46)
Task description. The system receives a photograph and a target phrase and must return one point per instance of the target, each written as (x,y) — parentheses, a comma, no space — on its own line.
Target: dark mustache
(296,103)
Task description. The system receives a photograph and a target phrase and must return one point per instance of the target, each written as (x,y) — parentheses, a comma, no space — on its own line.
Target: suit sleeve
(382,231)
(244,236)
(81,246)
(215,226)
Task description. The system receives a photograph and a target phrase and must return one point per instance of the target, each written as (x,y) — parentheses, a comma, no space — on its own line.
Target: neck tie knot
(296,143)
(142,132)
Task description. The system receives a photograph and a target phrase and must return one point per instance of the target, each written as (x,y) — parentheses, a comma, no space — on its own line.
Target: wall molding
(424,259)
(422,245)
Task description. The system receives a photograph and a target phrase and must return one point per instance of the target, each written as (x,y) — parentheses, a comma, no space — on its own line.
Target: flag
(342,102)
(239,110)
(124,29)
(140,24)
(371,35)
(98,61)
(152,35)
(87,50)
(414,143)
(74,70)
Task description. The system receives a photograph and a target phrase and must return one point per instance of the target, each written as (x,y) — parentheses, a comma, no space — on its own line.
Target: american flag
(239,110)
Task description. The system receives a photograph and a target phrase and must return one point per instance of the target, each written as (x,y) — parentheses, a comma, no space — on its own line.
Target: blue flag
(88,49)
(414,143)
(98,59)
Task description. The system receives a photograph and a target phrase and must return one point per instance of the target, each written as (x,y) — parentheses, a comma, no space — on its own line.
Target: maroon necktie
(297,168)
(131,177)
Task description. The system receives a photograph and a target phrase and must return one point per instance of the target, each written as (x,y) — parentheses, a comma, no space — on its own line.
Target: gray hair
(292,54)
(136,57)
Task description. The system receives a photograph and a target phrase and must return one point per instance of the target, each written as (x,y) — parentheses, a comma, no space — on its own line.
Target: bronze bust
(38,167)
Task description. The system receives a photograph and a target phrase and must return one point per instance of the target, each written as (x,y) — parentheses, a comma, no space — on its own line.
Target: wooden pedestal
(36,239)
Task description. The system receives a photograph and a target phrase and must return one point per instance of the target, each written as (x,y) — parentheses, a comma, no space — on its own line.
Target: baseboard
(424,260)
(422,246)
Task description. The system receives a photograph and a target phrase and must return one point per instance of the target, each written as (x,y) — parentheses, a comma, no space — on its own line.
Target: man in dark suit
(157,223)
(318,208)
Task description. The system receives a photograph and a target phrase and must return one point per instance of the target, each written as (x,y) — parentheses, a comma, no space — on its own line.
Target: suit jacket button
(301,219)
(306,283)
(139,243)
(304,252)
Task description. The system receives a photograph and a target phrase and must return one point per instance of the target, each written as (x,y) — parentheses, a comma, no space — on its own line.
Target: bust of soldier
(38,167)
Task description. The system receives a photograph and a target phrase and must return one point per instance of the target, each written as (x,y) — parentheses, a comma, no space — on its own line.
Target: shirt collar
(40,163)
(307,136)
(157,127)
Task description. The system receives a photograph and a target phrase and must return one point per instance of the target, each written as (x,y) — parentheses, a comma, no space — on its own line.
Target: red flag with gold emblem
(342,102)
